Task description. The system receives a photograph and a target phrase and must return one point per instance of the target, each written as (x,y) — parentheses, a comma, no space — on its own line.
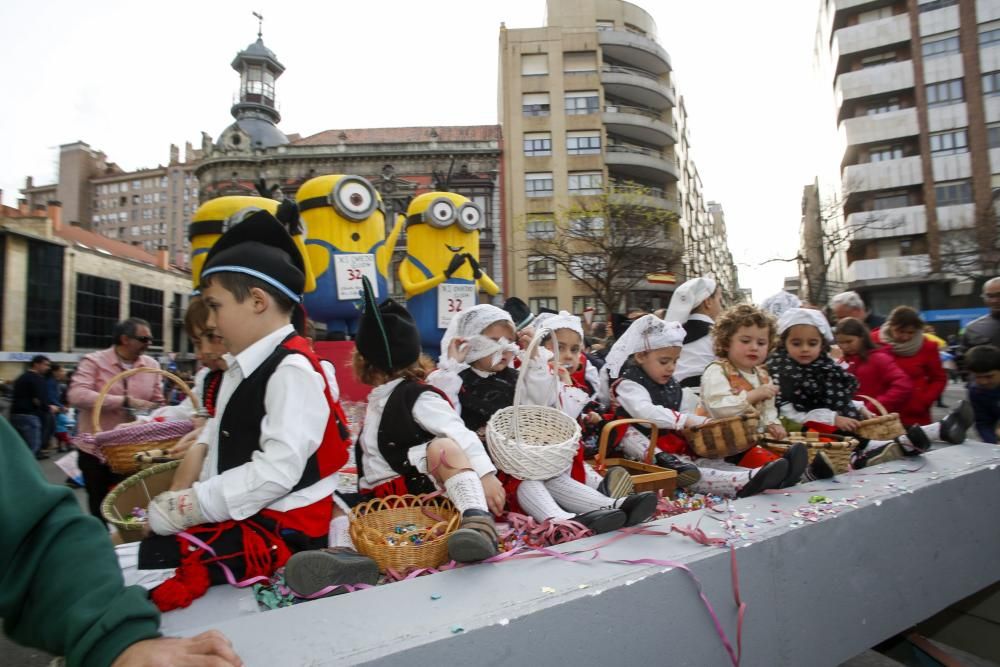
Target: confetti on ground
(435,596)
(455,629)
(582,586)
(548,589)
(818,499)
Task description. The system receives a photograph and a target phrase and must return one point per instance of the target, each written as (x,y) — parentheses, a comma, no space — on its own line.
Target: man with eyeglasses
(986,329)
(141,392)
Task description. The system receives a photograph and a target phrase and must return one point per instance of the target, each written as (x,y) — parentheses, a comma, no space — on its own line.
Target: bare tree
(972,251)
(609,242)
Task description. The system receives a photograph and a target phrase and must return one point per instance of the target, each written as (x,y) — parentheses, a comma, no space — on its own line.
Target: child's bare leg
(477,538)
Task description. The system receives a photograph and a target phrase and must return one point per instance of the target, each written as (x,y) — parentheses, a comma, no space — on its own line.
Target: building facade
(589,108)
(908,203)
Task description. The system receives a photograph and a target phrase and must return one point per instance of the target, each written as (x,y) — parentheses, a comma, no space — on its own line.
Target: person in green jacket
(61,589)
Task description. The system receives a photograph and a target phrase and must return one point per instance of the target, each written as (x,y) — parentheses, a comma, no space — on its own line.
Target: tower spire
(260,24)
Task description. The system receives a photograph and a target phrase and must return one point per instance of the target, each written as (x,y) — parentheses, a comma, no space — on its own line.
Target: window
(538,184)
(97,310)
(579,61)
(587,142)
(945,92)
(935,4)
(534,64)
(875,14)
(536,303)
(952,193)
(883,153)
(883,106)
(635,30)
(989,37)
(147,303)
(540,228)
(949,143)
(605,25)
(878,59)
(588,224)
(582,303)
(535,104)
(891,200)
(136,184)
(993,135)
(586,266)
(541,268)
(586,183)
(537,143)
(582,102)
(991,83)
(936,45)
(43,312)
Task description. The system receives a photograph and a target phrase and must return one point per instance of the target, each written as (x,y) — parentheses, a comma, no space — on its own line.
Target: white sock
(340,532)
(933,431)
(575,496)
(593,479)
(536,500)
(466,491)
(635,445)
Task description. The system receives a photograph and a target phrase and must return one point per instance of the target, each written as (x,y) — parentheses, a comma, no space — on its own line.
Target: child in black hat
(270,456)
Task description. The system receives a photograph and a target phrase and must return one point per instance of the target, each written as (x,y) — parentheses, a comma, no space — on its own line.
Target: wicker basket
(136,491)
(838,449)
(529,441)
(885,427)
(375,521)
(645,475)
(720,438)
(124,447)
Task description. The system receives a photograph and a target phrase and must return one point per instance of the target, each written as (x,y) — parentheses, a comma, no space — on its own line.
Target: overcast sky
(130,78)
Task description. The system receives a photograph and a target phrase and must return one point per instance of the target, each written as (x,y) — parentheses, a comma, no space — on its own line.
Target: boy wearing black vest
(270,455)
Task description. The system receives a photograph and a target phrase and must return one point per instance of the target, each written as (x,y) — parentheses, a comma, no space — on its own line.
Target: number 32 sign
(349,270)
(453,299)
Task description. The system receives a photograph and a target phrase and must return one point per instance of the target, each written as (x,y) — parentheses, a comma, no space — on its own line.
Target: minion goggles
(220,226)
(352,197)
(442,213)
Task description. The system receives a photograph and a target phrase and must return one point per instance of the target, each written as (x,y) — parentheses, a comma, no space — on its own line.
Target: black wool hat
(519,312)
(261,247)
(387,336)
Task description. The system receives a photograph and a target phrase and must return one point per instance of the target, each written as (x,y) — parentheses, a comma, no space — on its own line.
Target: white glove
(174,511)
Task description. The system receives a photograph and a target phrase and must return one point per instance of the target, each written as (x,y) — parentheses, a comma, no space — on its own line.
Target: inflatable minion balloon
(441,274)
(217,215)
(345,225)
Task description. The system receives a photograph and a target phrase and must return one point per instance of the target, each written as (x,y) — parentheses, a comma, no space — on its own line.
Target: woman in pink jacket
(878,374)
(918,357)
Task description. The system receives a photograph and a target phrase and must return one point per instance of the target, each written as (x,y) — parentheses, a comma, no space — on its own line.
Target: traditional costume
(697,351)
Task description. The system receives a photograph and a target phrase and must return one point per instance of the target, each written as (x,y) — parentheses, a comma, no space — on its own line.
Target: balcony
(641,163)
(879,127)
(905,221)
(640,87)
(890,174)
(913,267)
(639,124)
(873,81)
(622,193)
(634,50)
(871,35)
(960,216)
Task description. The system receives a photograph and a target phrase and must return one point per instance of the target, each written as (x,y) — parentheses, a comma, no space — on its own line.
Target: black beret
(387,336)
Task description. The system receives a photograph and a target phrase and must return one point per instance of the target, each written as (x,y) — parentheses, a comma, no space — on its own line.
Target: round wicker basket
(124,457)
(529,441)
(884,427)
(720,438)
(136,491)
(374,531)
(837,448)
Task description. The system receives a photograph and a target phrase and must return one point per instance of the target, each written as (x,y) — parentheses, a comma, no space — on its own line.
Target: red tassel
(190,582)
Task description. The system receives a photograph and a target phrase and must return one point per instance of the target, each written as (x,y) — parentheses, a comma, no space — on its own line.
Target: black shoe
(617,483)
(769,476)
(475,539)
(308,572)
(602,521)
(798,458)
(957,422)
(820,468)
(884,454)
(638,507)
(687,473)
(918,441)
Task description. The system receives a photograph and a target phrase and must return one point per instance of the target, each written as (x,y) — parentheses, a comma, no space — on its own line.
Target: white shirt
(435,416)
(719,400)
(290,432)
(330,371)
(697,355)
(635,400)
(184,409)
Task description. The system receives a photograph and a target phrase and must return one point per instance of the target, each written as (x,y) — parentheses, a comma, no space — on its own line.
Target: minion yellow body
(211,219)
(441,274)
(345,229)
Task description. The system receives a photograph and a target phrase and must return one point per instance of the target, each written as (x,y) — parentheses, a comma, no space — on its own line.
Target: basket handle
(96,415)
(874,401)
(529,352)
(602,448)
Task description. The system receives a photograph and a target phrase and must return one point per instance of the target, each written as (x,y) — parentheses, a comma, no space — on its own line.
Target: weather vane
(260,22)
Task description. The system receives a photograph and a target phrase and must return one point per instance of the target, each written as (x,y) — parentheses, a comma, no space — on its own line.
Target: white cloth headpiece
(776,304)
(647,333)
(469,324)
(562,320)
(689,296)
(815,318)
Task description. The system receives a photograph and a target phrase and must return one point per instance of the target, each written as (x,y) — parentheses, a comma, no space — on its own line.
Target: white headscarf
(776,304)
(469,324)
(647,333)
(562,320)
(814,318)
(689,296)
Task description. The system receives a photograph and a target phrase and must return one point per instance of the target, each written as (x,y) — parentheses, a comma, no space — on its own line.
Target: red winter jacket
(928,377)
(880,377)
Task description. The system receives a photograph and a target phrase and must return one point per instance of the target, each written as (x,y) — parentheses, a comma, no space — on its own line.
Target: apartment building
(908,203)
(589,108)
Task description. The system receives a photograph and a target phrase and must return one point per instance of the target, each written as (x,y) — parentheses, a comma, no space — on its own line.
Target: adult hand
(845,423)
(496,498)
(456,263)
(209,649)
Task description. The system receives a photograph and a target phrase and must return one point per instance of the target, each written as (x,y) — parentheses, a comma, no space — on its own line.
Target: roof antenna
(260,27)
